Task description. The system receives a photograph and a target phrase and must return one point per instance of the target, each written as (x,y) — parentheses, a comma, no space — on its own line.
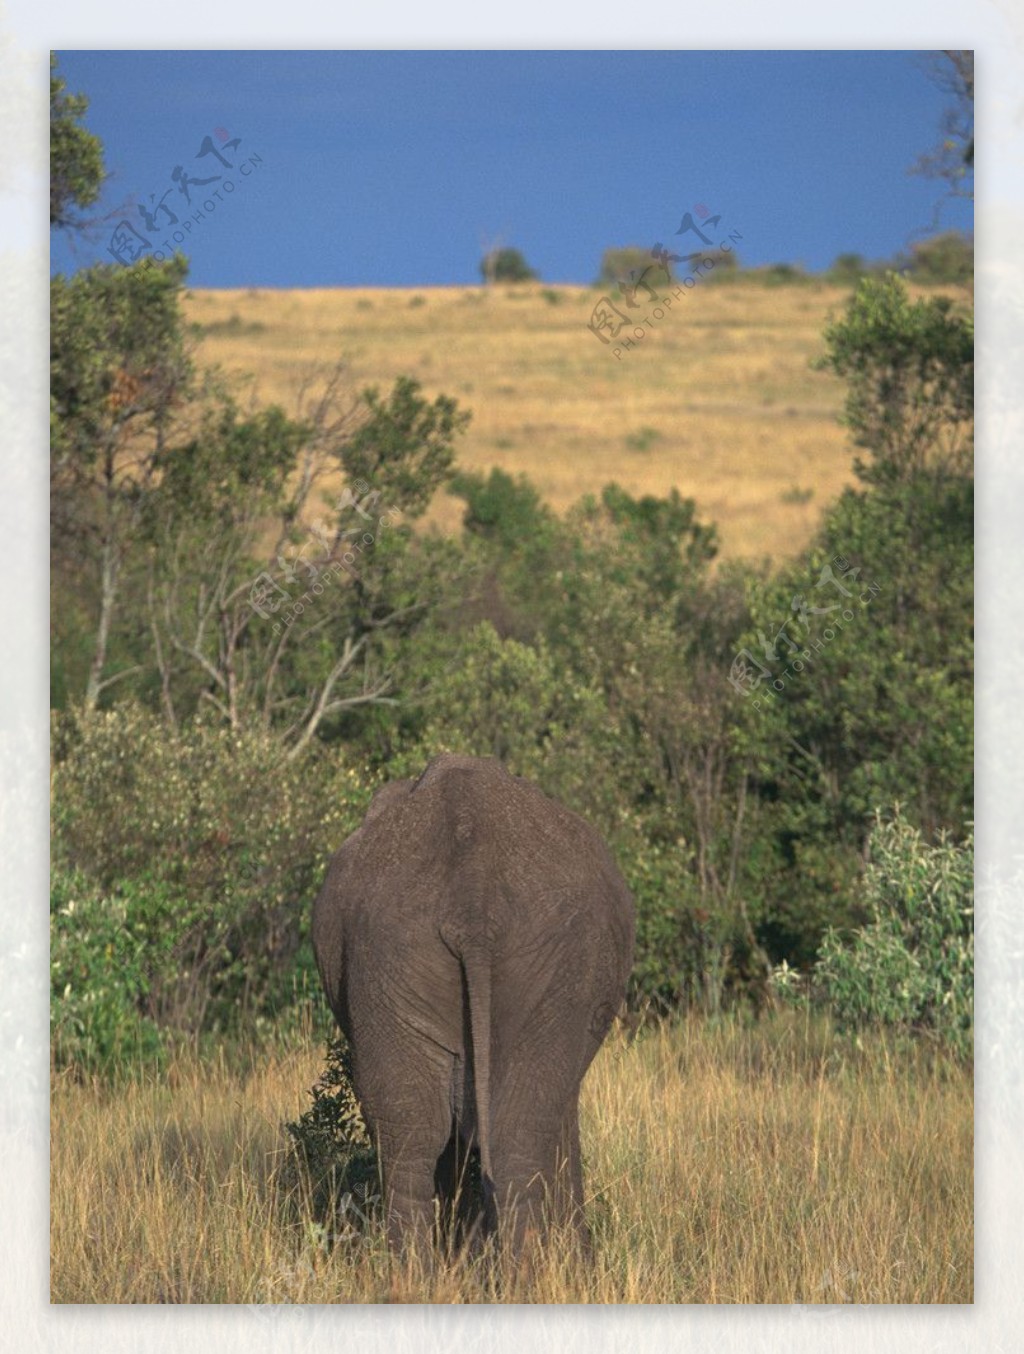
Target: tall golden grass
(772,1163)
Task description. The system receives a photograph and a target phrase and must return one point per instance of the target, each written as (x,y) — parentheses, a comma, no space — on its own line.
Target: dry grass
(718,400)
(725,1165)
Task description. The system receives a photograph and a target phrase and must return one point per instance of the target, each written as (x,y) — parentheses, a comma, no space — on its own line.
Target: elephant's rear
(492,929)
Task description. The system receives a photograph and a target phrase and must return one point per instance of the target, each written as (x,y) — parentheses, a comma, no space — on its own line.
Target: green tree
(506,265)
(76,155)
(403,446)
(910,373)
(121,376)
(271,620)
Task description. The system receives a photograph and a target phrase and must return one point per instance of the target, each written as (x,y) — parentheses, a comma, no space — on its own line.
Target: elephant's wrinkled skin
(474,939)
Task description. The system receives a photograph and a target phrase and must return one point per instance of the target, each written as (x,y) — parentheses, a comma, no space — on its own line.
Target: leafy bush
(912,966)
(224,840)
(510,700)
(632,266)
(847,270)
(778,274)
(333,1152)
(946,258)
(506,265)
(501,509)
(103,967)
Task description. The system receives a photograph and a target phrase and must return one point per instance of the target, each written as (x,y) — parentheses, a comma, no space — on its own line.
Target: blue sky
(389,168)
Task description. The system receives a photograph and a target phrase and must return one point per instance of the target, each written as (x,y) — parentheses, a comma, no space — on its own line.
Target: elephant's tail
(478,982)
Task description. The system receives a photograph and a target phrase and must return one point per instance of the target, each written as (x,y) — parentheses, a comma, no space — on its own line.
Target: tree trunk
(108,594)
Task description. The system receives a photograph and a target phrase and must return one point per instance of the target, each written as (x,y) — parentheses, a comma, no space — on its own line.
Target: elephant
(474,939)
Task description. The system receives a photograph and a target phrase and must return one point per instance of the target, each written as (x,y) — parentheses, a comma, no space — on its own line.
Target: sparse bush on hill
(724,264)
(946,258)
(506,265)
(630,267)
(847,270)
(778,274)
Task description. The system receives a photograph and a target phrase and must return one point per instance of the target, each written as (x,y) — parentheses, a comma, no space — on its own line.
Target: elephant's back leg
(406,1102)
(405,1034)
(541,1055)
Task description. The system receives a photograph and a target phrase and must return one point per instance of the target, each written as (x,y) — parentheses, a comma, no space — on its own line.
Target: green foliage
(656,545)
(215,841)
(911,966)
(333,1150)
(643,439)
(118,358)
(725,263)
(632,266)
(943,259)
(404,447)
(872,699)
(910,371)
(506,699)
(76,156)
(120,376)
(108,952)
(502,510)
(506,265)
(847,270)
(673,947)
(778,275)
(233,472)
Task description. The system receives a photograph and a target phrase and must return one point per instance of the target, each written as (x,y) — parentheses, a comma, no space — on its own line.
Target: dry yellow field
(718,400)
(724,1164)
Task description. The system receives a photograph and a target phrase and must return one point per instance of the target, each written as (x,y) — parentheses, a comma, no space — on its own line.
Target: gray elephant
(474,939)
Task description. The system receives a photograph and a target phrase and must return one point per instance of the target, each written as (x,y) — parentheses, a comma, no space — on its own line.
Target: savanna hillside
(719,401)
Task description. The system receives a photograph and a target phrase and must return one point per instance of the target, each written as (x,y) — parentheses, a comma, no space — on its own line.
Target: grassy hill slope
(718,399)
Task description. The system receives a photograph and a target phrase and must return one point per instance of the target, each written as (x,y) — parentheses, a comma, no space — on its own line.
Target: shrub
(779,274)
(103,966)
(847,270)
(501,509)
(506,265)
(224,840)
(946,258)
(333,1152)
(632,266)
(912,966)
(723,263)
